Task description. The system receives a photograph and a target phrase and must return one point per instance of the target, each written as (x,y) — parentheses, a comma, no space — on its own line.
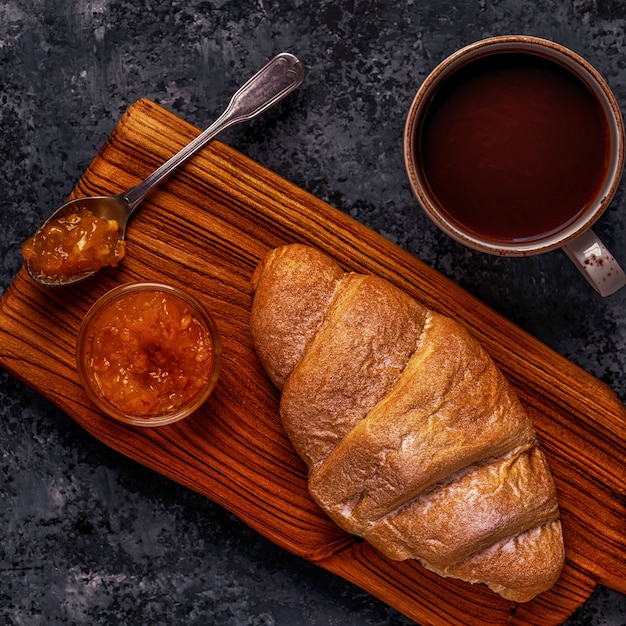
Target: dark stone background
(89,537)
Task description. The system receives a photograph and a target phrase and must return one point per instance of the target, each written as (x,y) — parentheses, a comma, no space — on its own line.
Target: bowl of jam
(148,354)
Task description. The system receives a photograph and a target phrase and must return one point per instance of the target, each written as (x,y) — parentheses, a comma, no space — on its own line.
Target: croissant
(413,438)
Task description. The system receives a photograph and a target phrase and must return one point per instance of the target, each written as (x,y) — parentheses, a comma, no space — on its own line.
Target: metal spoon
(271,83)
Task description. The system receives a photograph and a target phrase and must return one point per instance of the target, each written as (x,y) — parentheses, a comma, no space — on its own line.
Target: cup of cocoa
(514,145)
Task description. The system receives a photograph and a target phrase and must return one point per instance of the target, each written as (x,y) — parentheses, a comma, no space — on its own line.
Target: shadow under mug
(469,158)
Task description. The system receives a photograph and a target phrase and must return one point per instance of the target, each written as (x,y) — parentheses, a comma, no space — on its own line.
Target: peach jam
(148,353)
(72,244)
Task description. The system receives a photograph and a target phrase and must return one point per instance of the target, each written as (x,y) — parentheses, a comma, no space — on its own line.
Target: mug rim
(549,50)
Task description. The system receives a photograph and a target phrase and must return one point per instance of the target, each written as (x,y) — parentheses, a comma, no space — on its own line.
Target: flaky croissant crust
(413,438)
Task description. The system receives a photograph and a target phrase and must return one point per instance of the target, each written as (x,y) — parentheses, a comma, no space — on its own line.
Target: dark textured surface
(89,537)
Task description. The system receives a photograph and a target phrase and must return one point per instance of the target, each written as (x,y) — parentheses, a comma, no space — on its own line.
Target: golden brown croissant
(413,438)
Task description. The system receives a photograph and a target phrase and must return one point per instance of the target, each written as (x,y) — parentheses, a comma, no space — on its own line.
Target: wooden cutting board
(205,229)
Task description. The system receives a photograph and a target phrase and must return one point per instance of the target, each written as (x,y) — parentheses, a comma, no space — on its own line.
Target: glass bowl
(148,354)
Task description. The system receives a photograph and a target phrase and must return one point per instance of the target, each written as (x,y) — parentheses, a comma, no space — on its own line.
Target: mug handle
(595,263)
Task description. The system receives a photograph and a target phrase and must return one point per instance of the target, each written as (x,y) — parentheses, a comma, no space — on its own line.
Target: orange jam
(149,352)
(75,243)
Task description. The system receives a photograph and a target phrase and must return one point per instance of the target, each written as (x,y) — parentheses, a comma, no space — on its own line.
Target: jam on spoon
(72,244)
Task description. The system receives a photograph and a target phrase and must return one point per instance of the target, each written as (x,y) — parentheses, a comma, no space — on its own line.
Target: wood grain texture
(205,229)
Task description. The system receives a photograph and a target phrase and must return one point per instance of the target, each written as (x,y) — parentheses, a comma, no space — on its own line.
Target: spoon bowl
(105,207)
(271,83)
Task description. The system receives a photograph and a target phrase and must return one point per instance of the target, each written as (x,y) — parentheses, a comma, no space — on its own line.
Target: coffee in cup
(514,145)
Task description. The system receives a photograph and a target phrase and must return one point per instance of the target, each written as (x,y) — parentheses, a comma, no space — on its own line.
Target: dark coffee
(514,147)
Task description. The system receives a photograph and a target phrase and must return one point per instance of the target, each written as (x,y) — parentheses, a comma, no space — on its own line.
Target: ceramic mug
(514,145)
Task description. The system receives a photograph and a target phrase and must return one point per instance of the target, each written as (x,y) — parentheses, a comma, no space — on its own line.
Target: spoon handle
(270,84)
